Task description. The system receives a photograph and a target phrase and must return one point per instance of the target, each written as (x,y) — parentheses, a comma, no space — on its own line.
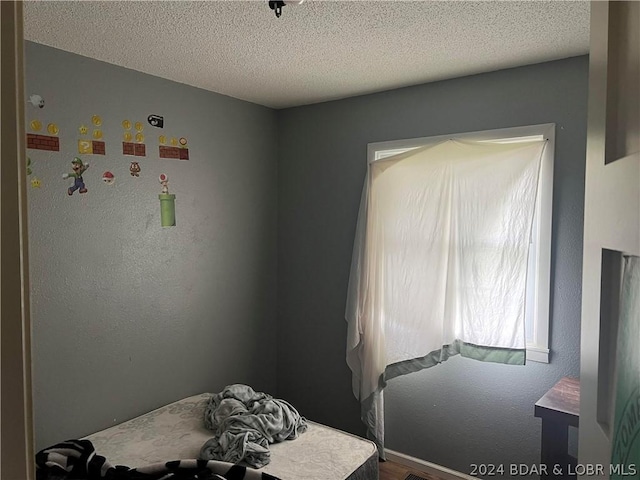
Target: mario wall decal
(78,169)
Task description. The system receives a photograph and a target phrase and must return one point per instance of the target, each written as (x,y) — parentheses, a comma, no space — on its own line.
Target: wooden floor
(395,471)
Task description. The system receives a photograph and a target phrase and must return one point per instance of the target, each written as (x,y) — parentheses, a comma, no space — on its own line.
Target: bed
(176,431)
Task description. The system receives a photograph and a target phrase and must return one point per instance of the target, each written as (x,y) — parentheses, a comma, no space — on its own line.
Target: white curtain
(439,263)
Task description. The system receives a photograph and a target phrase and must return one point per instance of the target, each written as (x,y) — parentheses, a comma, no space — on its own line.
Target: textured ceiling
(317,51)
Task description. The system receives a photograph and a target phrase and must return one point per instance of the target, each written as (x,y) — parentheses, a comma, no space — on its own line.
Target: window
(539,270)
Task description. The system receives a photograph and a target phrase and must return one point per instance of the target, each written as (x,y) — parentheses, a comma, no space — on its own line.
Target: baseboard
(424,466)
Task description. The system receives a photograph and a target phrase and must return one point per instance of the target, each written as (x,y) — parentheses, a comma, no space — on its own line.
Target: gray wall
(460,412)
(127,315)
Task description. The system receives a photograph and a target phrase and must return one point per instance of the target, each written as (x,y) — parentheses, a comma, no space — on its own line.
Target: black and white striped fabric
(78,460)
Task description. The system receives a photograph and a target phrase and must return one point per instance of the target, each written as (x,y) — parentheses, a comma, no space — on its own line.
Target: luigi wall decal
(78,169)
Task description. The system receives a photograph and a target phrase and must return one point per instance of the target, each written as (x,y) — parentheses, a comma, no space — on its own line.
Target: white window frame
(538,348)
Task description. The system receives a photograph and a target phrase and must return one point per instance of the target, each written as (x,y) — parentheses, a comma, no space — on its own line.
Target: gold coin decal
(36,125)
(126,124)
(97,134)
(52,128)
(97,121)
(139,137)
(127,136)
(162,139)
(139,126)
(174,141)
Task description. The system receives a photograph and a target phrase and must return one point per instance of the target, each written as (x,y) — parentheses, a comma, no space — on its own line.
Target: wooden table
(559,408)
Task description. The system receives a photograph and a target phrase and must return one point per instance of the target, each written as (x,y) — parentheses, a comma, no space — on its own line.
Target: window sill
(537,354)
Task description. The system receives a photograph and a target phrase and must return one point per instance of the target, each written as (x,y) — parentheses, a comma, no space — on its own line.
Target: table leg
(554,449)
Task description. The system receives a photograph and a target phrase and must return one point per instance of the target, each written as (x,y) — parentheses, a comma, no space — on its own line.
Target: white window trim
(538,349)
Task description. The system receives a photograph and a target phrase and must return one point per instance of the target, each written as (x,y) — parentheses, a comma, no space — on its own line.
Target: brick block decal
(43,142)
(140,150)
(174,153)
(169,152)
(136,149)
(98,147)
(128,148)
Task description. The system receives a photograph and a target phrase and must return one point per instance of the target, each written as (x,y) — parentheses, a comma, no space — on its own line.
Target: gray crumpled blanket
(245,422)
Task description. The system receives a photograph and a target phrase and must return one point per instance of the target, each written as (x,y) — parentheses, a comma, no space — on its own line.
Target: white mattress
(176,431)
